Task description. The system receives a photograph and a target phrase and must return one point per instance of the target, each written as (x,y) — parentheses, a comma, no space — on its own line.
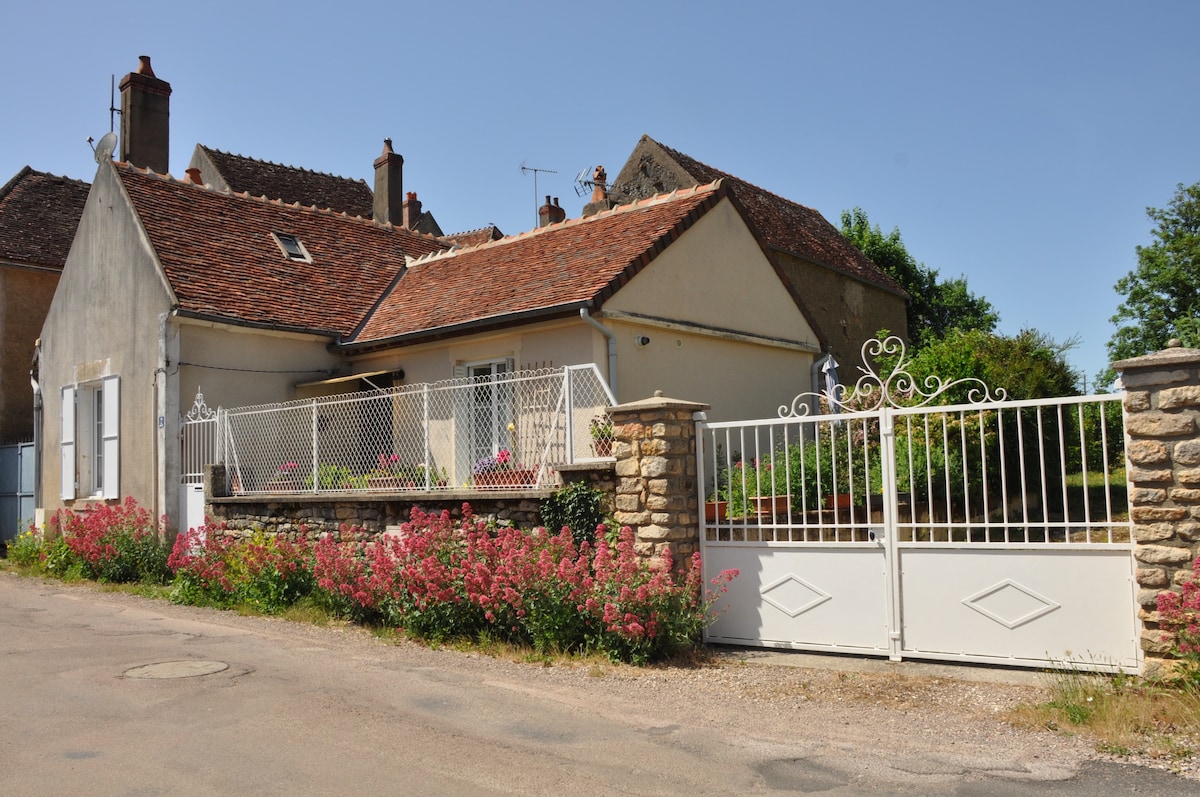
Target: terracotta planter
(383,483)
(715,510)
(506,478)
(770,506)
(839,501)
(602,446)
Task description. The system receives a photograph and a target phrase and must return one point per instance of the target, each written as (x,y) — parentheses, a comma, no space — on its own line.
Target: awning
(365,375)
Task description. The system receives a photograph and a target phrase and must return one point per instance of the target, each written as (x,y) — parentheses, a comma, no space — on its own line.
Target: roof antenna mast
(113,110)
(108,142)
(526,170)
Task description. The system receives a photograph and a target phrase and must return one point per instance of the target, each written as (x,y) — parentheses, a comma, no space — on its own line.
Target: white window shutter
(67,445)
(112,448)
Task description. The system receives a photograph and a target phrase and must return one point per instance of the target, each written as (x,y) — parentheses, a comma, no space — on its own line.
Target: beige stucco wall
(722,328)
(237,366)
(104,321)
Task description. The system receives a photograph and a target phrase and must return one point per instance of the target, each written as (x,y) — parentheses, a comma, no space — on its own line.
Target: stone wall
(1162,427)
(654,443)
(365,515)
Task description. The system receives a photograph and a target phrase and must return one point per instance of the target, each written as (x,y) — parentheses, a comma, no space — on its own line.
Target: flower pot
(839,501)
(770,506)
(715,510)
(383,483)
(602,446)
(522,477)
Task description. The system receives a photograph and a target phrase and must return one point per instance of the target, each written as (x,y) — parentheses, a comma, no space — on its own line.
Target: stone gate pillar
(1162,428)
(654,444)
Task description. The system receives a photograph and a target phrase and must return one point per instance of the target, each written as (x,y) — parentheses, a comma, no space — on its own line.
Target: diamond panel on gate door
(1010,603)
(793,595)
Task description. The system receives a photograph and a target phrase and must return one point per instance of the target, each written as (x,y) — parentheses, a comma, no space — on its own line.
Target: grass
(1123,715)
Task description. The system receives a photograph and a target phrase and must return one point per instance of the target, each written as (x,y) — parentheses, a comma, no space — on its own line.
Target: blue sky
(1015,143)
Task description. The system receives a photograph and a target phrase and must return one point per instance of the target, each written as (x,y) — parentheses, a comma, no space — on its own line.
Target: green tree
(1162,295)
(1027,365)
(936,305)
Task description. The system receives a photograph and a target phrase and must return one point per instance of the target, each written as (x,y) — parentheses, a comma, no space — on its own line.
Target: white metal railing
(982,471)
(504,431)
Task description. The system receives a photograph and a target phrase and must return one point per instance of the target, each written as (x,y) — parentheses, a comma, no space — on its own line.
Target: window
(90,456)
(482,413)
(292,247)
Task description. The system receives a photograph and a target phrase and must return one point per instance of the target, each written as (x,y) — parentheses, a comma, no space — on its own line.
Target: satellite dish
(104,149)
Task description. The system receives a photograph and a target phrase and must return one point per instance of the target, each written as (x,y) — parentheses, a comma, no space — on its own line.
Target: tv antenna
(526,170)
(108,142)
(584,182)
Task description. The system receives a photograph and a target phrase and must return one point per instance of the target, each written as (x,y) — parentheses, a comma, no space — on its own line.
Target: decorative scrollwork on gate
(898,388)
(200,411)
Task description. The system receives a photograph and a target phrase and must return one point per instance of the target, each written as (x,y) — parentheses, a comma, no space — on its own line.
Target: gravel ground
(777,700)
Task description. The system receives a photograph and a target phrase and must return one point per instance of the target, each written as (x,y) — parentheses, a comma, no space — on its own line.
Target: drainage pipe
(612,349)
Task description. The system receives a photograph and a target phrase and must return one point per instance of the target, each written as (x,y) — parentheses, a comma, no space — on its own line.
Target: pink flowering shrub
(440,579)
(1179,613)
(116,543)
(265,572)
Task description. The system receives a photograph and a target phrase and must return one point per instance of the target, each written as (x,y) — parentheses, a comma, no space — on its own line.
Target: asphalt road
(110,694)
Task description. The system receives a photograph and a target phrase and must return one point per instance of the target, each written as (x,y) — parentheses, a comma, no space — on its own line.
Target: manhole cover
(177,669)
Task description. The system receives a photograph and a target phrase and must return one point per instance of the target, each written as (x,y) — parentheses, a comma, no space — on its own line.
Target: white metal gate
(198,448)
(982,530)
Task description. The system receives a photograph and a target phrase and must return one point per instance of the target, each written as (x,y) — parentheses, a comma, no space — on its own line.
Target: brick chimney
(412,210)
(551,214)
(600,200)
(145,118)
(389,185)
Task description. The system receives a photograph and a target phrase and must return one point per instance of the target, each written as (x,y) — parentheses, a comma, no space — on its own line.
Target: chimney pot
(550,213)
(412,209)
(194,175)
(144,67)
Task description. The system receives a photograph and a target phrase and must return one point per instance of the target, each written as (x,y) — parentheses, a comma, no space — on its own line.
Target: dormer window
(292,247)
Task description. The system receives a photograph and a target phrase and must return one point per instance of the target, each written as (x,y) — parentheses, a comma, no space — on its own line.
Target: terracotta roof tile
(553,269)
(790,226)
(222,261)
(39,214)
(474,237)
(292,184)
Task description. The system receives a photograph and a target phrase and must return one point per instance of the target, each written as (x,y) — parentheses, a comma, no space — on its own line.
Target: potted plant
(601,429)
(502,470)
(284,479)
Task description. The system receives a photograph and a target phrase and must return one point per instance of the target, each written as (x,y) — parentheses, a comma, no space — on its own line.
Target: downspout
(34,375)
(158,389)
(612,349)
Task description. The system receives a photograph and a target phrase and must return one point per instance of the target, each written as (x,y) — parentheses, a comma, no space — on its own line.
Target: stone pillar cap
(659,401)
(1173,355)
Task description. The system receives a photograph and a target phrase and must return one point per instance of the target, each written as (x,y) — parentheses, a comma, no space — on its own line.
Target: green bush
(577,506)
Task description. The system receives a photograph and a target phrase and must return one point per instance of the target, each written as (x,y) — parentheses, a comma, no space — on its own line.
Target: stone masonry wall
(1162,426)
(366,515)
(654,443)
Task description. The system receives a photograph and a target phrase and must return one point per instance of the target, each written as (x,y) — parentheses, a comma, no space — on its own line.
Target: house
(846,296)
(38,216)
(174,287)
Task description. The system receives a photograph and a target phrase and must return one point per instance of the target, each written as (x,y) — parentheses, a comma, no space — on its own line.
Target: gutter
(612,348)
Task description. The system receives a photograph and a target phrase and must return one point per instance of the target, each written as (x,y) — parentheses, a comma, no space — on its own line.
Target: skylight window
(292,247)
